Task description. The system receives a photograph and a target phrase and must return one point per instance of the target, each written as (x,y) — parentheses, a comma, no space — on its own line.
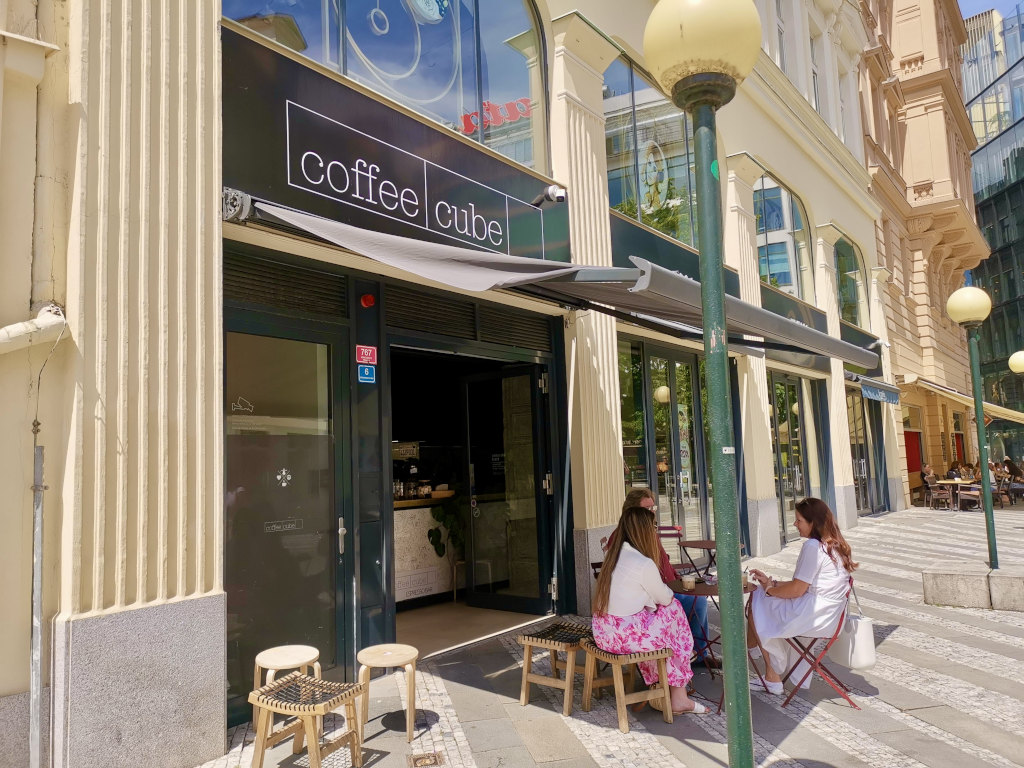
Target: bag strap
(856,599)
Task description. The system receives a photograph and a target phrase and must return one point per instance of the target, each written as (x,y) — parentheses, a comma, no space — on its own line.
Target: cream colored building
(918,142)
(263,365)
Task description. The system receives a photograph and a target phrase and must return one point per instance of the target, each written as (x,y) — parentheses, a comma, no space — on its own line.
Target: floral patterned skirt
(666,627)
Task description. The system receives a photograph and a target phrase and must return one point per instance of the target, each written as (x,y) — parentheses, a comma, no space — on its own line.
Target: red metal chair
(816,663)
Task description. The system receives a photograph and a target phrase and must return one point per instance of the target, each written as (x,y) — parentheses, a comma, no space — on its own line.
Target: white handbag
(854,647)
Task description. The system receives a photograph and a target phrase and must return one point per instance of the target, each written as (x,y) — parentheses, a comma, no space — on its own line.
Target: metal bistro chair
(936,494)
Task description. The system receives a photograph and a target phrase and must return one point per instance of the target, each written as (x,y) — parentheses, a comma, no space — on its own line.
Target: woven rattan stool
(306,698)
(623,699)
(561,637)
(274,660)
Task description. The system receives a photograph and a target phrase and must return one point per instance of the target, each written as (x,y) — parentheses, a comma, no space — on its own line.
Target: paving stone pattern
(947,690)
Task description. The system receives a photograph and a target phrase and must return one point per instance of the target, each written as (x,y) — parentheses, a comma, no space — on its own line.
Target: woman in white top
(808,605)
(635,611)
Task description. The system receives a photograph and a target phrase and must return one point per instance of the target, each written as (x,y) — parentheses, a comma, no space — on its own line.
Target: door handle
(341,538)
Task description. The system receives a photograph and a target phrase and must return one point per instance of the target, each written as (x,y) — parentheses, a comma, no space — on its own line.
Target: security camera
(551,194)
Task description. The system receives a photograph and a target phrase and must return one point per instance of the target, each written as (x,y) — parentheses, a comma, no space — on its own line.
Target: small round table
(383,657)
(273,660)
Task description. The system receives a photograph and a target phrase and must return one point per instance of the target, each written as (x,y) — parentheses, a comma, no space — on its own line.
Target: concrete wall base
(846,507)
(14,730)
(1006,587)
(143,686)
(588,550)
(959,584)
(896,500)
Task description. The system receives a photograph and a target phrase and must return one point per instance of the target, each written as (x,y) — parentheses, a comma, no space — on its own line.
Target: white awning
(991,409)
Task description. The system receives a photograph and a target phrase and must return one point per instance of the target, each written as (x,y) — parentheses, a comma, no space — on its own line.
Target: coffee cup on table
(689,581)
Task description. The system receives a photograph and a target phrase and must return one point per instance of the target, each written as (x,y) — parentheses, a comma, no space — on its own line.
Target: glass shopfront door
(788,439)
(678,447)
(865,445)
(509,556)
(287,512)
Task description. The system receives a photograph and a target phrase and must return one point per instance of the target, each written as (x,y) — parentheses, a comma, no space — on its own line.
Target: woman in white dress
(809,604)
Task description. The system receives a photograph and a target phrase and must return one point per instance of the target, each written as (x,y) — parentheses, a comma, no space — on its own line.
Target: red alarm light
(367,300)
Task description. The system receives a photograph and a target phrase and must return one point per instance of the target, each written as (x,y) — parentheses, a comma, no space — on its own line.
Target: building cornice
(917,90)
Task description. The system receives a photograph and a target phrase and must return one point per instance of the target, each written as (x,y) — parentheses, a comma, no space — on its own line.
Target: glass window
(631,399)
(912,417)
(783,242)
(477,68)
(649,144)
(852,283)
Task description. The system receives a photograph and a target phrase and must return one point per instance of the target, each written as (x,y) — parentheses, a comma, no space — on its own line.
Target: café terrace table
(954,486)
(701,589)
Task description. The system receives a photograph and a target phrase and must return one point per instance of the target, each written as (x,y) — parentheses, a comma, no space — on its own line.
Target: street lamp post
(699,51)
(969,306)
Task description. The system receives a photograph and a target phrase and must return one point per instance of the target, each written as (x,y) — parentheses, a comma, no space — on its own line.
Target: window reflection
(783,242)
(649,144)
(474,67)
(851,282)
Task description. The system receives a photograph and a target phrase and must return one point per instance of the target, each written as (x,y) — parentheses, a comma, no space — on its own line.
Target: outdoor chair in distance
(936,494)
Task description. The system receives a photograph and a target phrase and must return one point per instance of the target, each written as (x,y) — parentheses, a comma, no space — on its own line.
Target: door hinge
(548,484)
(553,588)
(542,382)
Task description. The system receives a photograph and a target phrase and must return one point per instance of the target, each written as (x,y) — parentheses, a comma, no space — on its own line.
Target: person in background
(928,474)
(954,471)
(810,603)
(636,612)
(696,608)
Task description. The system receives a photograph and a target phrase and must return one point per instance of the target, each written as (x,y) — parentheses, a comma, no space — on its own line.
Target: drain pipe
(49,326)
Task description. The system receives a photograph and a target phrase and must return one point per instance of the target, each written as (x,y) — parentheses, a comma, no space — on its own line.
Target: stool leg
(666,711)
(355,743)
(620,698)
(261,737)
(256,684)
(410,712)
(570,678)
(297,741)
(309,723)
(524,692)
(364,678)
(589,667)
(554,663)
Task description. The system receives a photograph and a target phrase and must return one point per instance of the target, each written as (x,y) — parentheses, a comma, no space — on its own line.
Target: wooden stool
(307,699)
(273,660)
(382,657)
(562,637)
(622,699)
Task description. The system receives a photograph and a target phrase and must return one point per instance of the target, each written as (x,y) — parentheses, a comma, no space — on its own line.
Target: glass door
(682,496)
(285,511)
(508,558)
(788,441)
(860,453)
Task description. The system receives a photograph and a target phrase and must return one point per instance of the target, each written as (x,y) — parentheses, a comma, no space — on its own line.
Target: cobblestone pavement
(947,691)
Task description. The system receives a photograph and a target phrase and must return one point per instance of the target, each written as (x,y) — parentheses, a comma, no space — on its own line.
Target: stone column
(826,290)
(755,402)
(581,55)
(139,640)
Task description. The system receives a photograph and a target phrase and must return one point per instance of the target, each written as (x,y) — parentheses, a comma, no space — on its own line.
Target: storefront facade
(243,394)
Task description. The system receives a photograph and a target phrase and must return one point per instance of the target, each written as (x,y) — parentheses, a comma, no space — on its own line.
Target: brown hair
(637,527)
(636,496)
(824,529)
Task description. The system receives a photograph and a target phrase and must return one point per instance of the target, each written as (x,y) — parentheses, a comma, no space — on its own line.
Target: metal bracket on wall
(236,206)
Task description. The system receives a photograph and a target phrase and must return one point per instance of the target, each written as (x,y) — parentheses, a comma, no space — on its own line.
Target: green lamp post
(699,51)
(969,306)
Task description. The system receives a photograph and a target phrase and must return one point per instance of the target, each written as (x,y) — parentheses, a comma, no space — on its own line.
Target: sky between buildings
(971,7)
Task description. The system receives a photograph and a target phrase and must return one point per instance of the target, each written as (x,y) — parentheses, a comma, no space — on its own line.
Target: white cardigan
(636,584)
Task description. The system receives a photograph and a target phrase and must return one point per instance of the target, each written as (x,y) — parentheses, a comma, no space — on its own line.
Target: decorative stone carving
(237,206)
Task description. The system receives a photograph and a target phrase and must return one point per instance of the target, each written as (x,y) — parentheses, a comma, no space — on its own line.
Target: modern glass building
(994,94)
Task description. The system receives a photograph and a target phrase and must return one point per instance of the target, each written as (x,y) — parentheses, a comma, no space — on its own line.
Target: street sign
(367,374)
(366,355)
